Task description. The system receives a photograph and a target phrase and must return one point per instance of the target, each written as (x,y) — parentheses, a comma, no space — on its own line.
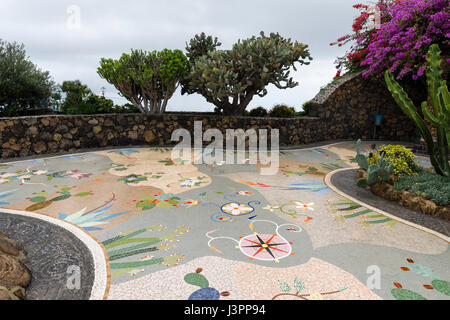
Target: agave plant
(438,116)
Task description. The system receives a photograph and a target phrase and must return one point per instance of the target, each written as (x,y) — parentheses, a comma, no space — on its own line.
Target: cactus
(379,172)
(360,158)
(230,79)
(375,172)
(439,116)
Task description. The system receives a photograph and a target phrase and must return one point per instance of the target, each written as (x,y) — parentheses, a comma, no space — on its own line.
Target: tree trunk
(238,106)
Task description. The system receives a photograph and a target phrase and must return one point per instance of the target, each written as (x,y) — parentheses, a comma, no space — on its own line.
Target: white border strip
(100,284)
(409,223)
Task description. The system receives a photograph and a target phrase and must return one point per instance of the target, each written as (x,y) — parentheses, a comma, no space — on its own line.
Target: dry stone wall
(343,110)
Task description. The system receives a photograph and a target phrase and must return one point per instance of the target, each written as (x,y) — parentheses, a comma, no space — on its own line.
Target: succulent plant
(379,172)
(229,79)
(360,158)
(439,116)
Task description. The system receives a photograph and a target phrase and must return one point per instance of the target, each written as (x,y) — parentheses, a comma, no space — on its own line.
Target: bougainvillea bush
(399,43)
(364,28)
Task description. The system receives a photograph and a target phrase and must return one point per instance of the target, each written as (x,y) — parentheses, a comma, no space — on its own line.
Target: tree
(147,79)
(22,84)
(229,79)
(76,93)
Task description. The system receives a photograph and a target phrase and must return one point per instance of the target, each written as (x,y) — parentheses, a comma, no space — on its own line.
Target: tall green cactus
(360,158)
(439,116)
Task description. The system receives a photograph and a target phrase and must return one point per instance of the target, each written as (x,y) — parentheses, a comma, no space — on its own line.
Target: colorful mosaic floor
(173,230)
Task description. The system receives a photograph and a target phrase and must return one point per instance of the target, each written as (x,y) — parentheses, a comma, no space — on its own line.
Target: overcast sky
(108,28)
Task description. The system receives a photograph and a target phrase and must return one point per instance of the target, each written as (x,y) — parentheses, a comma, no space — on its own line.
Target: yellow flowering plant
(399,156)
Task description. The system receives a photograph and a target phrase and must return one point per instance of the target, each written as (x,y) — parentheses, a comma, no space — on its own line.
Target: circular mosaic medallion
(267,247)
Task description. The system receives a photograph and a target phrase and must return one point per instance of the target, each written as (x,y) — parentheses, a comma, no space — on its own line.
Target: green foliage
(103,104)
(147,79)
(427,184)
(281,111)
(22,84)
(82,108)
(379,172)
(126,108)
(200,45)
(439,116)
(360,158)
(10,111)
(76,94)
(306,108)
(401,157)
(362,183)
(229,79)
(258,112)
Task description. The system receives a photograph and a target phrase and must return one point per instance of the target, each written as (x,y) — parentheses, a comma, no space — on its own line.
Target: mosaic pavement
(173,230)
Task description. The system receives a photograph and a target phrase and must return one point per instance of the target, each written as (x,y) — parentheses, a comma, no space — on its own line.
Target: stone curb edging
(102,274)
(421,228)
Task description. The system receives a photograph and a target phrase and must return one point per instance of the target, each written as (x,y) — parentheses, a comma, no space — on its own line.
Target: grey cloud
(109,28)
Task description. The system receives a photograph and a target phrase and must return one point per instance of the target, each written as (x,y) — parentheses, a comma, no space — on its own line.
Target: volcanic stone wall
(349,106)
(343,110)
(20,137)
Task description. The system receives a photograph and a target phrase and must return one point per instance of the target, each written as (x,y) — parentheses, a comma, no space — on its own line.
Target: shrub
(306,108)
(363,34)
(362,183)
(126,108)
(401,157)
(427,184)
(103,105)
(407,29)
(10,111)
(401,43)
(282,111)
(258,112)
(82,108)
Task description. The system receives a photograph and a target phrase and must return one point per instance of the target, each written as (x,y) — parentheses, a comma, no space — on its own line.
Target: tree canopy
(147,79)
(76,93)
(22,84)
(229,79)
